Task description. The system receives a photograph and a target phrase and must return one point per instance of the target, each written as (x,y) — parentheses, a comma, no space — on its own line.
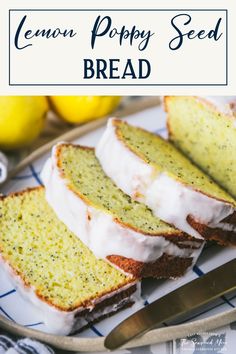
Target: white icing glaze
(225,104)
(64,322)
(169,199)
(173,202)
(100,232)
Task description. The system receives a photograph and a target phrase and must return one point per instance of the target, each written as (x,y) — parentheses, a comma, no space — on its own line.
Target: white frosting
(100,232)
(169,199)
(225,104)
(63,322)
(165,196)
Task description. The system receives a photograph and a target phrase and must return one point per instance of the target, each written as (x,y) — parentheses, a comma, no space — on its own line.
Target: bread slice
(205,130)
(54,269)
(109,222)
(153,171)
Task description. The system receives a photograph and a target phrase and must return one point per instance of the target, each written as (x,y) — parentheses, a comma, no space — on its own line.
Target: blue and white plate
(19,311)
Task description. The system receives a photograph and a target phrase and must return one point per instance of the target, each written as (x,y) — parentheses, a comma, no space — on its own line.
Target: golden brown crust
(89,302)
(176,233)
(169,98)
(25,284)
(222,237)
(165,102)
(102,317)
(20,193)
(62,174)
(142,157)
(165,99)
(164,267)
(211,105)
(231,219)
(112,299)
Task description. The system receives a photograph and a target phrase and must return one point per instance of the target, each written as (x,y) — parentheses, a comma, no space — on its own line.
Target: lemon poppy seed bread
(54,269)
(109,222)
(151,170)
(204,128)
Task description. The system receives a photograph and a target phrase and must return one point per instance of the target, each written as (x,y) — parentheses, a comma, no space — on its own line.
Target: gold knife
(179,302)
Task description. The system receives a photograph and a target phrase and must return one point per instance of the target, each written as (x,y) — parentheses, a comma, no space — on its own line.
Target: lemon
(81,109)
(21,120)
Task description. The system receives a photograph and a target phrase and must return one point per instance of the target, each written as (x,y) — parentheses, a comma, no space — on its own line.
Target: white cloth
(3,167)
(22,346)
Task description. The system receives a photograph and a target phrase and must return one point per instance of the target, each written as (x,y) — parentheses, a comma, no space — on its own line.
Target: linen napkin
(22,346)
(3,167)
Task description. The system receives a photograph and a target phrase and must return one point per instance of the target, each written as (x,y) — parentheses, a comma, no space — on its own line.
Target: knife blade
(181,301)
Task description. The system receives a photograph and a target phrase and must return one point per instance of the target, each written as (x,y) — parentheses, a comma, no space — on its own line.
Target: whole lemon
(81,109)
(21,120)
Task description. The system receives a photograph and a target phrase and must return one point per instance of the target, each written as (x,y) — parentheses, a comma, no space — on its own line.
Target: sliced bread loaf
(54,269)
(204,128)
(153,171)
(109,222)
